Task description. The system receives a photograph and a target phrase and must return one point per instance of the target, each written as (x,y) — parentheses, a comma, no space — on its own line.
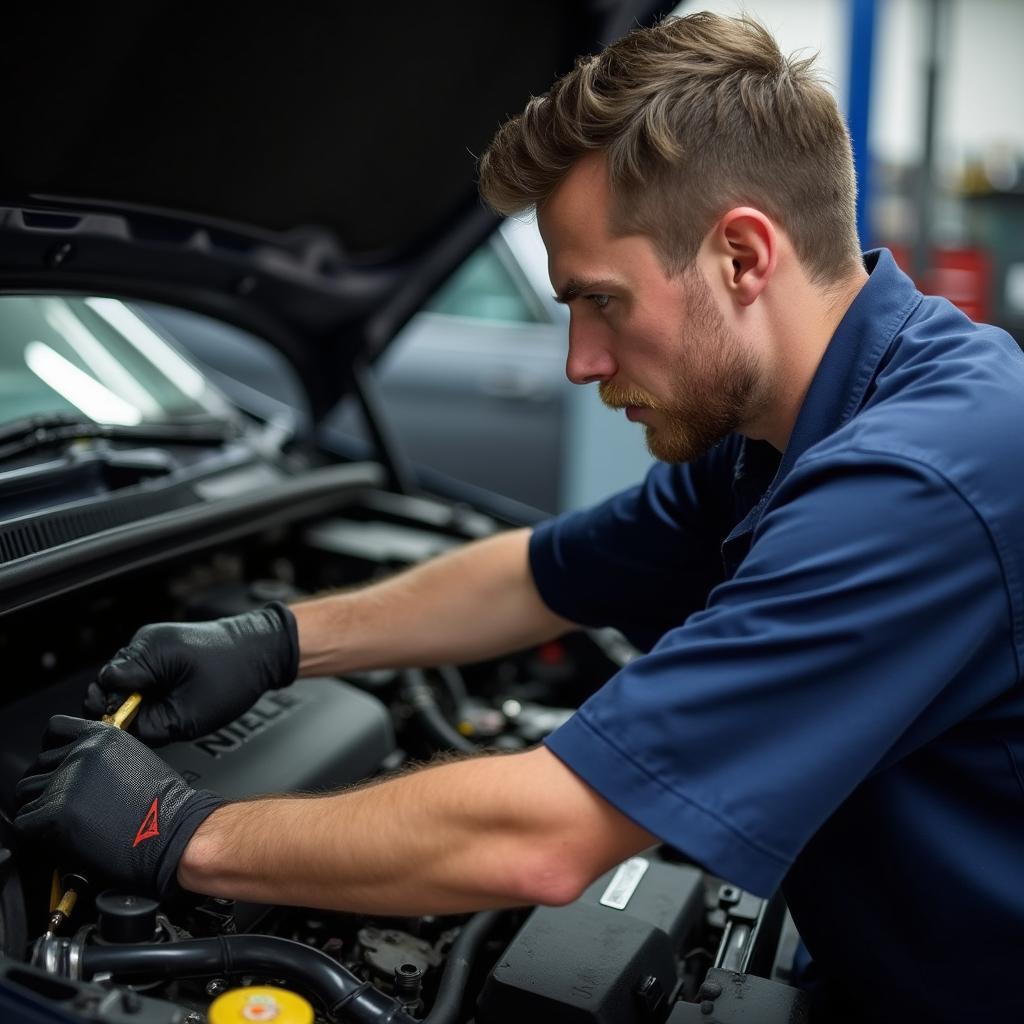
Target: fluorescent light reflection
(153,347)
(103,365)
(77,387)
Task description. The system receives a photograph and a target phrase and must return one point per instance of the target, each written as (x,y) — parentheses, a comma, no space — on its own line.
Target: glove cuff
(290,648)
(201,805)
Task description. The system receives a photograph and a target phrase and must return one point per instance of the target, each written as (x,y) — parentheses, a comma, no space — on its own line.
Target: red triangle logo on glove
(148,828)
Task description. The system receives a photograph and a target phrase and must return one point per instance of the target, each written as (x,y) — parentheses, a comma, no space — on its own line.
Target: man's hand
(198,676)
(108,805)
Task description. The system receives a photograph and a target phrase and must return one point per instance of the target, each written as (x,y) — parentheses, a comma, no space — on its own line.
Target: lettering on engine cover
(269,708)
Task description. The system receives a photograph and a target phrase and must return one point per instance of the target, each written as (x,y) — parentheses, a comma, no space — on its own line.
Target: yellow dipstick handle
(63,910)
(55,890)
(119,719)
(122,717)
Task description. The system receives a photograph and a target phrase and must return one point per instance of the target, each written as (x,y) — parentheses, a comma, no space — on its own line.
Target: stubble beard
(716,384)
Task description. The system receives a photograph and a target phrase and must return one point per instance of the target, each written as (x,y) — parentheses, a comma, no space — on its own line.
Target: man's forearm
(483,832)
(477,602)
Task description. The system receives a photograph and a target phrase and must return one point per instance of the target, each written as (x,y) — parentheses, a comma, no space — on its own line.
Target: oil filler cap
(260,1003)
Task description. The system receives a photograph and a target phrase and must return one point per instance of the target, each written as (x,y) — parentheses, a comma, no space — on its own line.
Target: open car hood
(305,172)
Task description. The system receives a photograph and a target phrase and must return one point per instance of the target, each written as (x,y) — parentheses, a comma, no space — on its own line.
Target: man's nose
(589,360)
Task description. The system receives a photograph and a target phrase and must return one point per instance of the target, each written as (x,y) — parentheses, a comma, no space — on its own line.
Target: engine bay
(656,939)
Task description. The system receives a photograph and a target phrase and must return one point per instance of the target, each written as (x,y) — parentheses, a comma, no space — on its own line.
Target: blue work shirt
(830,696)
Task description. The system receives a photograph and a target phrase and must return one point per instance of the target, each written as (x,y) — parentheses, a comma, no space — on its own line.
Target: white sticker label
(624,882)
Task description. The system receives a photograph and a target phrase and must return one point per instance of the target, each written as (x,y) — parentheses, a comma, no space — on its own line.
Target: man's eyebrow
(575,287)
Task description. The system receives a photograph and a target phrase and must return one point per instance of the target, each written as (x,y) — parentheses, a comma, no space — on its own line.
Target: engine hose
(454,684)
(464,951)
(343,995)
(415,691)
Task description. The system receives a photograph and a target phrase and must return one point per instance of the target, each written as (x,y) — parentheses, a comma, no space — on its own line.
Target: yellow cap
(259,1003)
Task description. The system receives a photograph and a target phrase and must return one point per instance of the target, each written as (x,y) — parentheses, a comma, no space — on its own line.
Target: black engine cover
(315,734)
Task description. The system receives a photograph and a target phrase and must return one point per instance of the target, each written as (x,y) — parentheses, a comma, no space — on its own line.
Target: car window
(92,357)
(253,374)
(488,286)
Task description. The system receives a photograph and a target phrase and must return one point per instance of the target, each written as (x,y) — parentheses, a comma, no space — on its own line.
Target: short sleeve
(644,559)
(871,592)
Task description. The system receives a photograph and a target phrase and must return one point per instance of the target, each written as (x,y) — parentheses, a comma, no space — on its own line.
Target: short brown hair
(695,115)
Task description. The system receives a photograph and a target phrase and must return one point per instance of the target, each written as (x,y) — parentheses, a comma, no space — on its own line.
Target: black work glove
(197,676)
(110,806)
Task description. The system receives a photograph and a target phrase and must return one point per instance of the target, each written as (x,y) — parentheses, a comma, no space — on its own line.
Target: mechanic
(823,570)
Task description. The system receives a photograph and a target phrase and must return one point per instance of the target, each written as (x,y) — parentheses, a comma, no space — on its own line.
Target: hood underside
(306,172)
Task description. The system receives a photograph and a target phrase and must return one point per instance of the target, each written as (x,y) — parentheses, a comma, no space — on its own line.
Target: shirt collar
(850,363)
(839,386)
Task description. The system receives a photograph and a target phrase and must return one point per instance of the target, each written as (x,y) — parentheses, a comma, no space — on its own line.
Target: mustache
(618,396)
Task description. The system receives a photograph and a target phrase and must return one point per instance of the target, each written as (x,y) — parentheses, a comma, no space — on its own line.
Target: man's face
(657,346)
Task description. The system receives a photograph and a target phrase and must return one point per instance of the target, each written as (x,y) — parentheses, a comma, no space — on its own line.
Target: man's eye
(601,301)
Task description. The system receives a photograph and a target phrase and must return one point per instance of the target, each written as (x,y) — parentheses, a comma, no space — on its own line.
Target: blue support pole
(862,45)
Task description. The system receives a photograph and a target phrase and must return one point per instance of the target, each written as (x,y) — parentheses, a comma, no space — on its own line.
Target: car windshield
(93,359)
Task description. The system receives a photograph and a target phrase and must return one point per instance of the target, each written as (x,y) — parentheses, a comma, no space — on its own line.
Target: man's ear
(744,246)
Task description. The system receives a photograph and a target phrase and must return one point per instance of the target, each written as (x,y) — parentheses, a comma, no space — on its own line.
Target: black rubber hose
(464,951)
(415,691)
(454,684)
(338,989)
